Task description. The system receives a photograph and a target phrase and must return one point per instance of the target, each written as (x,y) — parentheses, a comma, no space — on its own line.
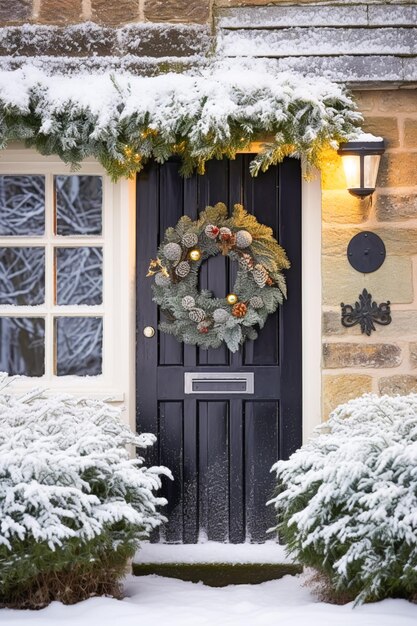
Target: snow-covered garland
(196,317)
(125,120)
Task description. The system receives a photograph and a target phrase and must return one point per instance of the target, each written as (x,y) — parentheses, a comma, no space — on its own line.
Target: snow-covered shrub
(347,500)
(74,505)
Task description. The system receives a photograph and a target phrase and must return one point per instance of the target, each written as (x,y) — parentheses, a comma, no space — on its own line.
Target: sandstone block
(60,12)
(401,241)
(332,173)
(386,127)
(401,384)
(403,325)
(410,132)
(373,355)
(115,13)
(340,389)
(398,100)
(89,41)
(15,11)
(395,207)
(341,283)
(366,100)
(398,170)
(197,11)
(164,40)
(340,207)
(335,240)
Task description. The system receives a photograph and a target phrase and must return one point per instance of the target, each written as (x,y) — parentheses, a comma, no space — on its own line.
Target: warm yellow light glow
(371,166)
(195,255)
(232,298)
(351,165)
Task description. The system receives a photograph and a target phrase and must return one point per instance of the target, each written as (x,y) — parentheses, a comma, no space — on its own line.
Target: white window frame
(116,383)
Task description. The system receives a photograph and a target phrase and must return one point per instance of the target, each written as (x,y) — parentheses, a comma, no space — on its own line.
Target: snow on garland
(194,316)
(125,120)
(347,500)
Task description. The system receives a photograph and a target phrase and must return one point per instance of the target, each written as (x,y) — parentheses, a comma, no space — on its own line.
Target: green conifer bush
(74,504)
(347,500)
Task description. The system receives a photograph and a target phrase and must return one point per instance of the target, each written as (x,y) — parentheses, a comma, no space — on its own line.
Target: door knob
(149,331)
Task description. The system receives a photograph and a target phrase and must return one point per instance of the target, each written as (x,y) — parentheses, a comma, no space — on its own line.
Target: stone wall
(104,12)
(67,36)
(385,362)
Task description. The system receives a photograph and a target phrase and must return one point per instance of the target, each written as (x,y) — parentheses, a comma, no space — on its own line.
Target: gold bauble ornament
(195,255)
(232,298)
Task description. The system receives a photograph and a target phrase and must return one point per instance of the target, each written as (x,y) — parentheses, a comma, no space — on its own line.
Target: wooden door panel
(214,423)
(261,452)
(171,444)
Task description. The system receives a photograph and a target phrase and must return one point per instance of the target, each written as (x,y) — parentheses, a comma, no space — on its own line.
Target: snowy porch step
(215,564)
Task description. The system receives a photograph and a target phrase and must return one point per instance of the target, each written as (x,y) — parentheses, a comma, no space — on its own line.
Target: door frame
(311,294)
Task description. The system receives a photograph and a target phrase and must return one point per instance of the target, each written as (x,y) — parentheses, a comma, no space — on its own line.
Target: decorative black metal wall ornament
(366,252)
(367,313)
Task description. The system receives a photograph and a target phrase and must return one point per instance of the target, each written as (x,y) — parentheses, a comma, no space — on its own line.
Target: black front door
(220,447)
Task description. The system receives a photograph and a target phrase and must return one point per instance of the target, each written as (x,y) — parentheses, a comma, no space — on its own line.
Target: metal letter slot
(221,382)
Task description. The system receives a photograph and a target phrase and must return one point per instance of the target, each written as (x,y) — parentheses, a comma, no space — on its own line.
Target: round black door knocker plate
(366,252)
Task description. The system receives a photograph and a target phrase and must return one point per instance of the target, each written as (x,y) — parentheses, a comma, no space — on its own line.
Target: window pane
(79,275)
(22,345)
(78,205)
(78,346)
(22,205)
(22,276)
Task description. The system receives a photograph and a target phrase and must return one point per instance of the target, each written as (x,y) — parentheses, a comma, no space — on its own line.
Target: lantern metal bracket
(367,313)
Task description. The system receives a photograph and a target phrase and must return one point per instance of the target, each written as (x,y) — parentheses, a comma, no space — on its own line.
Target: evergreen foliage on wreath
(196,317)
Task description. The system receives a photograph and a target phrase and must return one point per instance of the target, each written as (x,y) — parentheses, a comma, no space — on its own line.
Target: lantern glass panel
(371,165)
(351,165)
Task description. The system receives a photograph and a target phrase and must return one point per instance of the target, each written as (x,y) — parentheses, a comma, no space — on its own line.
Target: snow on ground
(168,602)
(212,552)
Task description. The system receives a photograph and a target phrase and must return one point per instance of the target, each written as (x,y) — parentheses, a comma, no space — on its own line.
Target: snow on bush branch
(66,472)
(347,501)
(125,120)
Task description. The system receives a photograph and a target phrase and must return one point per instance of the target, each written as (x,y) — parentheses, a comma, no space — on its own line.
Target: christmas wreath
(196,317)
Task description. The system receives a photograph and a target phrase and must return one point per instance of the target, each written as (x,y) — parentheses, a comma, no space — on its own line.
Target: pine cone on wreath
(260,275)
(188,303)
(239,309)
(246,261)
(189,240)
(196,315)
(183,269)
(256,302)
(172,251)
(203,327)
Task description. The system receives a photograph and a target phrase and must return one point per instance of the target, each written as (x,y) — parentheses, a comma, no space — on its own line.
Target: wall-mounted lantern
(361,163)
